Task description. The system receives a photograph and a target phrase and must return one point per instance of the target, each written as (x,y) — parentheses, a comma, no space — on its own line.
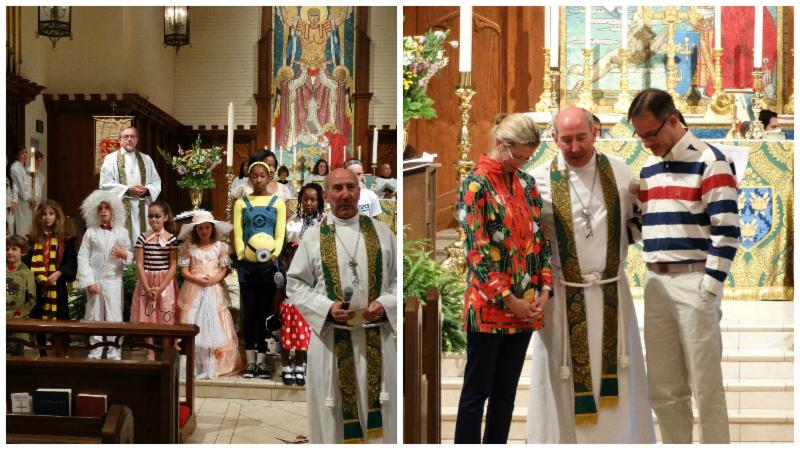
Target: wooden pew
(148,388)
(115,428)
(165,337)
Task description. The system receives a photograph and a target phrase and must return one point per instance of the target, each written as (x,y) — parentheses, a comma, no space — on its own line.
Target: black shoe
(287,376)
(263,371)
(300,375)
(249,371)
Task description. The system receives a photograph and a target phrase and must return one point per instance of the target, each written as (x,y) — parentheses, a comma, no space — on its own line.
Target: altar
(763,266)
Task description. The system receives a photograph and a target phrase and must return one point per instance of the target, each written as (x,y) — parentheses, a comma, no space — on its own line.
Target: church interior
(310,84)
(725,68)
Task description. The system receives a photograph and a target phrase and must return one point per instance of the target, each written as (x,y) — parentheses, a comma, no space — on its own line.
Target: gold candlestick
(545,100)
(672,15)
(585,100)
(756,130)
(721,102)
(464,91)
(624,97)
(548,132)
(33,192)
(229,203)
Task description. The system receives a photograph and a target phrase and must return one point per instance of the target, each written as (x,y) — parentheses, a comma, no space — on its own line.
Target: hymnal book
(91,405)
(52,402)
(21,403)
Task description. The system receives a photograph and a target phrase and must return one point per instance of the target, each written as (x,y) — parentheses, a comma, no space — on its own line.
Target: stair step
(747,425)
(248,388)
(774,395)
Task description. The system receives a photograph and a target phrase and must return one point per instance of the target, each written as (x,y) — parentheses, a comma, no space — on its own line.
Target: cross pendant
(588,223)
(353,267)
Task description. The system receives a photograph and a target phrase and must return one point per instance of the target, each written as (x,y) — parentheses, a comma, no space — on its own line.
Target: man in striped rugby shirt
(690,231)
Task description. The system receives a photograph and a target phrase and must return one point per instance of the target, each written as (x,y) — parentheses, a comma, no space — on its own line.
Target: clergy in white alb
(131,176)
(588,381)
(24,185)
(351,378)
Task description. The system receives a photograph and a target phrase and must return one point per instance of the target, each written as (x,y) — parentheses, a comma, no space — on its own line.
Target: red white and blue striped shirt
(689,210)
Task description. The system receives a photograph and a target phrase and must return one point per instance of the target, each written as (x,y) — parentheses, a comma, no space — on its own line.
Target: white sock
(251,356)
(260,358)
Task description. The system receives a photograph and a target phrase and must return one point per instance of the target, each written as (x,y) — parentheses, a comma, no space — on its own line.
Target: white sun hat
(221,229)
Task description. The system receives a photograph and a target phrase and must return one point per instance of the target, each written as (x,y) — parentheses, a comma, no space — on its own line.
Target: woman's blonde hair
(516,128)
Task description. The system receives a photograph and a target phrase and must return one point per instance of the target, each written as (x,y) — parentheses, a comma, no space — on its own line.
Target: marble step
(746,425)
(736,364)
(769,394)
(236,387)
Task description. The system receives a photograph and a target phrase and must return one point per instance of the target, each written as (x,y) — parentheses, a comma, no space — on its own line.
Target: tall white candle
(758,36)
(717,27)
(294,156)
(33,160)
(329,155)
(587,28)
(625,27)
(547,26)
(280,157)
(272,138)
(554,36)
(229,148)
(359,153)
(344,153)
(375,145)
(465,36)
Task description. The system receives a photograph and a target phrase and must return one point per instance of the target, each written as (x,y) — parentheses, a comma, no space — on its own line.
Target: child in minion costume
(259,225)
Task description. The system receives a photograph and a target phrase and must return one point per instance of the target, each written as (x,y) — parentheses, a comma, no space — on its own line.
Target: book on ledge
(52,402)
(91,405)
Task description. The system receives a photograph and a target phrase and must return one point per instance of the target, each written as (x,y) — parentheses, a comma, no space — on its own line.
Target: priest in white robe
(588,209)
(131,176)
(24,187)
(348,255)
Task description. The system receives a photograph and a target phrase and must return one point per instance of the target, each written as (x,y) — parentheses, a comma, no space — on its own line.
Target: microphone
(348,294)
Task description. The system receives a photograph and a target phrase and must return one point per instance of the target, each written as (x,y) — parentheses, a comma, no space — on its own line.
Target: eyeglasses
(128,136)
(516,158)
(650,135)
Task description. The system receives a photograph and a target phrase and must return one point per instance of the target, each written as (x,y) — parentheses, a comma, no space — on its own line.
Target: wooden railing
(115,428)
(422,352)
(61,344)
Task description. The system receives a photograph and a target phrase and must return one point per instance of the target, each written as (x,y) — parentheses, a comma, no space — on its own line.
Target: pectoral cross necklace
(351,258)
(586,215)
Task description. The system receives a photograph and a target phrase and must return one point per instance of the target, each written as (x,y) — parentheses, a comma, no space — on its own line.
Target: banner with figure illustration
(763,266)
(313,69)
(106,136)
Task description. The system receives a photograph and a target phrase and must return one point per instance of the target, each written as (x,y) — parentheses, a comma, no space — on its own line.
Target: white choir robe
(306,290)
(551,405)
(109,181)
(97,266)
(23,218)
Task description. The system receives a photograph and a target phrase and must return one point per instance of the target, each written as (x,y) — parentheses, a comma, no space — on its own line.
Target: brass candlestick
(721,102)
(33,192)
(548,132)
(229,203)
(298,168)
(756,130)
(464,91)
(545,100)
(585,100)
(624,97)
(672,15)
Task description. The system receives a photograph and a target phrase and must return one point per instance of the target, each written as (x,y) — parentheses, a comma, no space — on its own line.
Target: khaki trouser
(684,353)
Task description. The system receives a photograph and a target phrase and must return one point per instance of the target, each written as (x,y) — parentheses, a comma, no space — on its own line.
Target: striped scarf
(43,264)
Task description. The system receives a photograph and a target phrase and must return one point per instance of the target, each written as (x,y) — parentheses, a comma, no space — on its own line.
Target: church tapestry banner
(106,136)
(312,69)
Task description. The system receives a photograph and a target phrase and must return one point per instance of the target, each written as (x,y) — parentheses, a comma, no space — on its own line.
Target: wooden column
(263,96)
(362,94)
(432,364)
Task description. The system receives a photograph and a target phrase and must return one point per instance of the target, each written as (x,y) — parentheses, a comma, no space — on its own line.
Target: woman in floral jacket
(508,278)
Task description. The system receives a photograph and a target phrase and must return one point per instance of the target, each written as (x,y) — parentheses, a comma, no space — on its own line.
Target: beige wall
(219,67)
(383,58)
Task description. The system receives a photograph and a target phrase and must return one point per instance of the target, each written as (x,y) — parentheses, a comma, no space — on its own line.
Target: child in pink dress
(204,300)
(156,256)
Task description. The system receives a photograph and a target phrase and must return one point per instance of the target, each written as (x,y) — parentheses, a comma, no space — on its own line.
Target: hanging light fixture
(55,22)
(176,26)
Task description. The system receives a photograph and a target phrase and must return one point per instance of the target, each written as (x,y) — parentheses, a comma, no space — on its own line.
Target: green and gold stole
(343,346)
(123,179)
(585,408)
(43,263)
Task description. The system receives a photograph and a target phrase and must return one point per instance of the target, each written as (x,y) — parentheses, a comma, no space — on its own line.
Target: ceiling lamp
(176,26)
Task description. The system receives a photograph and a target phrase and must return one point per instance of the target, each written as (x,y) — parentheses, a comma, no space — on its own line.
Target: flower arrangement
(195,165)
(423,57)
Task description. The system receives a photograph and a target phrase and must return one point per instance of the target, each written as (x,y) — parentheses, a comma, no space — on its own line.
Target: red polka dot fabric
(295,332)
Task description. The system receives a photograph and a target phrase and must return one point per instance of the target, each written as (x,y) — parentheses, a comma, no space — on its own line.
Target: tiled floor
(234,421)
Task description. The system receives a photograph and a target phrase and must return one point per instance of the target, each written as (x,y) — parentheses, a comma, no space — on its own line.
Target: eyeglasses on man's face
(652,134)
